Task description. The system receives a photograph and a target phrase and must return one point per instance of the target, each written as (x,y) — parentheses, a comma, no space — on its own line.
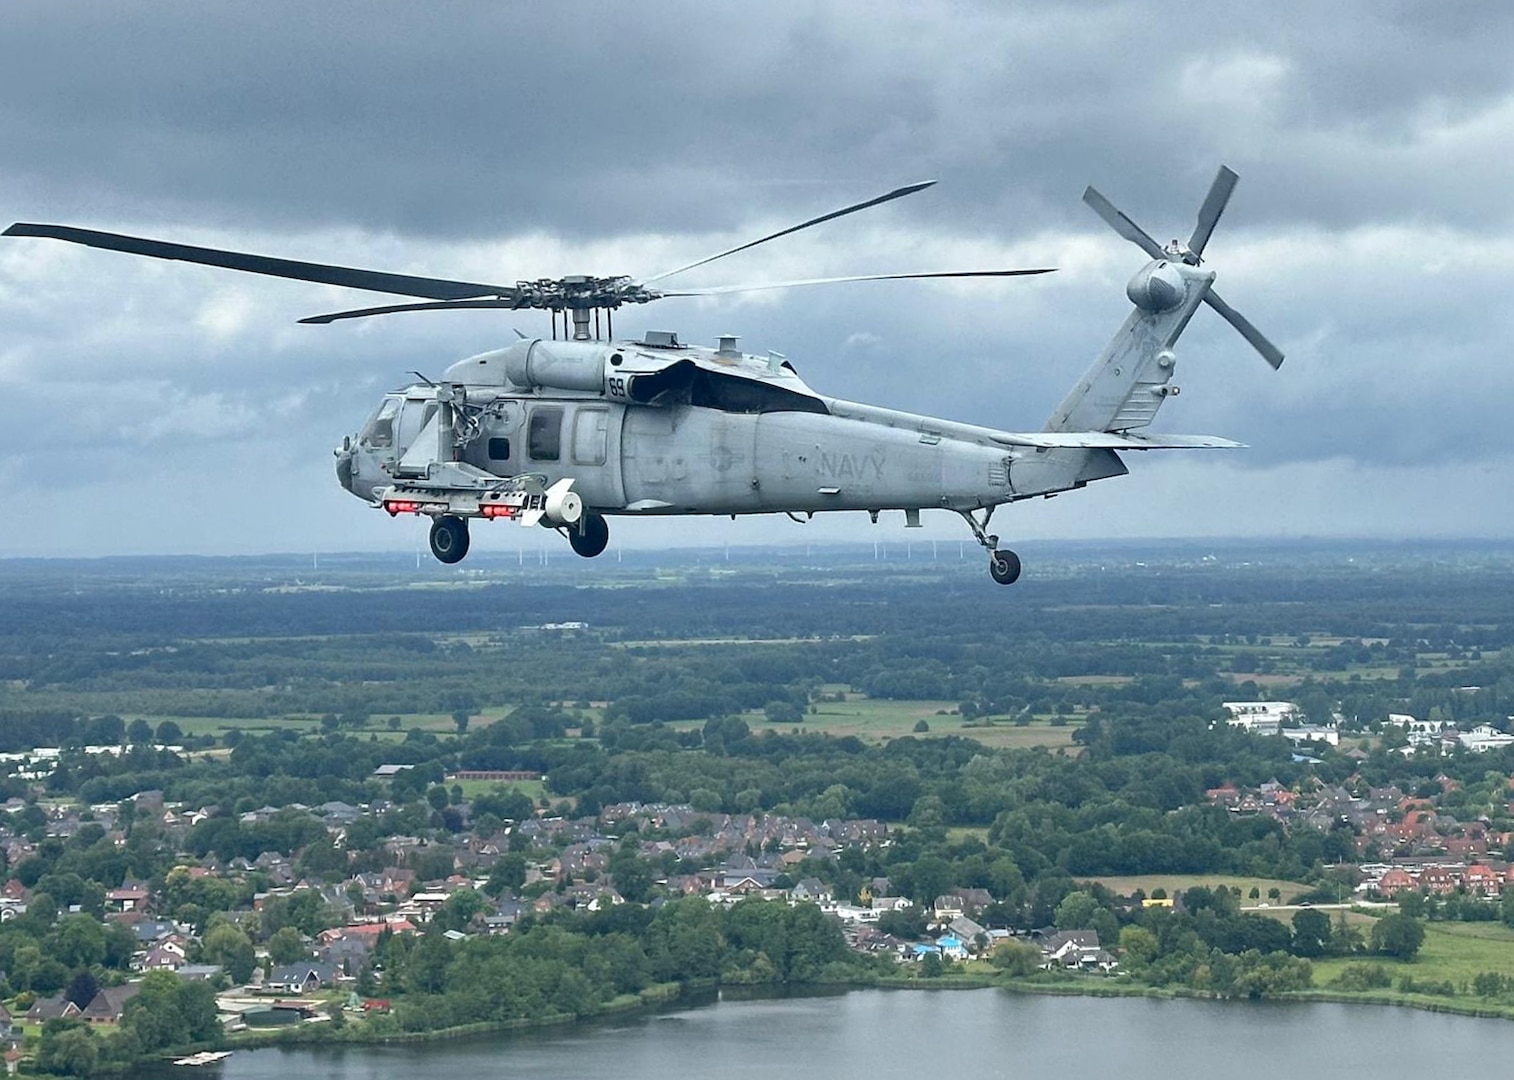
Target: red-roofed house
(1483,879)
(132,898)
(1440,880)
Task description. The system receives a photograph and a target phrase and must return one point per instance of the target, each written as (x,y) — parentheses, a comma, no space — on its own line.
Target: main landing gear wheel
(1004,567)
(1003,564)
(449,538)
(590,536)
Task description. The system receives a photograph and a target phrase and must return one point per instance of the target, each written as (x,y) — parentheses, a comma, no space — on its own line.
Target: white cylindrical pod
(560,367)
(564,506)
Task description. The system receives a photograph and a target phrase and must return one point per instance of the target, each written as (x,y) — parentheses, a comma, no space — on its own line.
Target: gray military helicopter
(569,431)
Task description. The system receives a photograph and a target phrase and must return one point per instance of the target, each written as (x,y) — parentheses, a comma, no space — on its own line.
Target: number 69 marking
(616,385)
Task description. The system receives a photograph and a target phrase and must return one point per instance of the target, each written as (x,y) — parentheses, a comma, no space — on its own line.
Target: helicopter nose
(344,469)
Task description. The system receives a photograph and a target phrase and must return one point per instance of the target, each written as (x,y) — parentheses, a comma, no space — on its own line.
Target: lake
(982,1034)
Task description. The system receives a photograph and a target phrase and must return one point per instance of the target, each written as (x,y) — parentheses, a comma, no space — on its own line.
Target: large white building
(1484,737)
(1330,735)
(1261,717)
(1420,732)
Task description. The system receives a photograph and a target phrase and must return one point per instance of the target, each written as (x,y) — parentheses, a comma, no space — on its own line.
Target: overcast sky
(157,407)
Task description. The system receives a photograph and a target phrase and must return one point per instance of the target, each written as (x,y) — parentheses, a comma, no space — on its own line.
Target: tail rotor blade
(1270,352)
(1214,206)
(1122,224)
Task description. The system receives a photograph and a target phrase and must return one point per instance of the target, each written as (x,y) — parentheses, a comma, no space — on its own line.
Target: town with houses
(1404,843)
(748,855)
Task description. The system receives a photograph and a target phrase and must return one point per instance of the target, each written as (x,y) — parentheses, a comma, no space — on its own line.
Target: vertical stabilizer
(1133,375)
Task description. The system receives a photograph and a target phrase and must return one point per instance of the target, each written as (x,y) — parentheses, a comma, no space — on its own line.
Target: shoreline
(353,1032)
(668,994)
(1483,1009)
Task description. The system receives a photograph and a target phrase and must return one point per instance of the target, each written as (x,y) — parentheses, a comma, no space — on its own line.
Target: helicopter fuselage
(675,430)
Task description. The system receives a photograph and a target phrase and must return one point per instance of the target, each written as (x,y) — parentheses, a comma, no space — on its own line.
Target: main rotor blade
(371,280)
(897,193)
(390,309)
(724,289)
(1214,206)
(1122,224)
(1270,352)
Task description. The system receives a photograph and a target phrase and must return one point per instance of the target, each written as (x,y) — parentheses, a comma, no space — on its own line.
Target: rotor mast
(582,295)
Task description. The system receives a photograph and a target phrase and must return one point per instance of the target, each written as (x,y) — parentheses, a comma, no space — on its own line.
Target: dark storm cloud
(457,119)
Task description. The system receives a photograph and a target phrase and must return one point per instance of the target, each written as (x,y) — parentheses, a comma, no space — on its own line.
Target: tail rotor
(1192,252)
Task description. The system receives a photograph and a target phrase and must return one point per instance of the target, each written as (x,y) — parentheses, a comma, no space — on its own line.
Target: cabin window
(544,435)
(499,449)
(590,427)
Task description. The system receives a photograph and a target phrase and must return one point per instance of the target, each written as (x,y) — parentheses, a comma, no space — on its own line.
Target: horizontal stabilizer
(1115,440)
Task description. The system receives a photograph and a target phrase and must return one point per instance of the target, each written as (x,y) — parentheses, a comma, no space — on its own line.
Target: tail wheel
(590,536)
(449,538)
(1004,567)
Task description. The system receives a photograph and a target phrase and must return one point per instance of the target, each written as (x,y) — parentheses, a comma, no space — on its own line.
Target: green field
(532,789)
(219,725)
(307,723)
(1453,952)
(872,720)
(1172,883)
(876,720)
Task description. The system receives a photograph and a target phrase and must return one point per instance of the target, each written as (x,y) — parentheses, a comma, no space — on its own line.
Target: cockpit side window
(378,432)
(414,415)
